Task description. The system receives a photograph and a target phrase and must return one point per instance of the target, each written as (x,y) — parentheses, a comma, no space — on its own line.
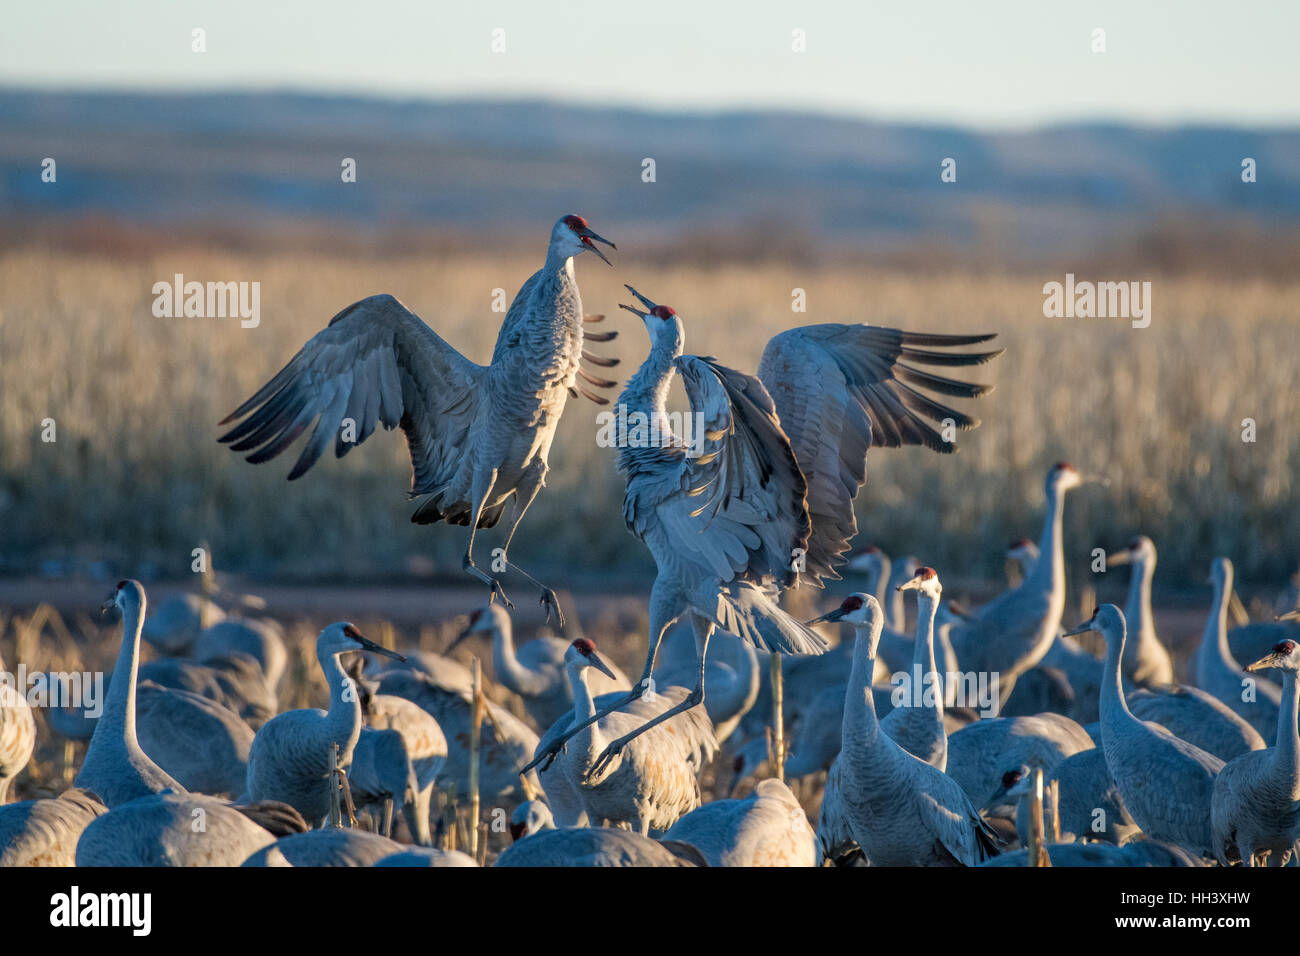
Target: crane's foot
(607,757)
(545,758)
(551,603)
(467,563)
(499,592)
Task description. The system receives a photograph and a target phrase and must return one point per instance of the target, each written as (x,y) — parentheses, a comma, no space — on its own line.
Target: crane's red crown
(664,312)
(584,646)
(851,603)
(1010,778)
(120,585)
(351,631)
(926,574)
(1063,466)
(1284,648)
(1018,543)
(575,222)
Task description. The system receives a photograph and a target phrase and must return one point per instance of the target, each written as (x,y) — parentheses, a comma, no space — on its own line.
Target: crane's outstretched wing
(744,486)
(376,362)
(839,389)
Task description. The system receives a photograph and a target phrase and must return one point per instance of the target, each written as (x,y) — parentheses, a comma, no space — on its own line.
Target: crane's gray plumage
(17,733)
(234,680)
(1146,661)
(768,828)
(176,622)
(1164,781)
(116,768)
(201,744)
(916,723)
(381,775)
(1197,717)
(45,832)
(261,640)
(1255,812)
(478,435)
(1218,672)
(290,757)
(588,847)
(1137,853)
(652,781)
(729,691)
(171,829)
(1089,805)
(328,847)
(980,752)
(899,810)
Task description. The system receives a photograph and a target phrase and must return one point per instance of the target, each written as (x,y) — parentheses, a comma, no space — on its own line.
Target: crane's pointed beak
(834,615)
(369,645)
(107,606)
(1119,557)
(1264,663)
(1085,626)
(911,584)
(598,662)
(1290,615)
(589,238)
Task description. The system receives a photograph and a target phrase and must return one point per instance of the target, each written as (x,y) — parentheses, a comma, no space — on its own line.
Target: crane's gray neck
(506,662)
(1215,650)
(927,606)
(1048,573)
(861,728)
(877,578)
(344,719)
(119,705)
(1287,763)
(644,403)
(588,740)
(897,610)
(1113,705)
(1137,609)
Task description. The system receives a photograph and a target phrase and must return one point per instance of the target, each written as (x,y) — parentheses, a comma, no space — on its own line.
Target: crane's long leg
(523,499)
(643,686)
(703,631)
(481,495)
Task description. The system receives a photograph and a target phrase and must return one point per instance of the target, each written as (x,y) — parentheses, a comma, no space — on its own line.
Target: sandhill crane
(235,681)
(17,733)
(729,692)
(1011,633)
(916,723)
(478,434)
(175,624)
(1164,781)
(445,672)
(1197,717)
(594,847)
(531,816)
(817,739)
(171,829)
(1253,698)
(199,743)
(900,810)
(427,856)
(261,640)
(1146,661)
(1255,811)
(290,757)
(1252,641)
(506,742)
(536,671)
(1089,805)
(768,501)
(45,832)
(116,768)
(652,781)
(1084,673)
(328,847)
(768,828)
(980,752)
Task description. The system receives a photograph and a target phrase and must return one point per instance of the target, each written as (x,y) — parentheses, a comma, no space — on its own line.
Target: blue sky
(1005,63)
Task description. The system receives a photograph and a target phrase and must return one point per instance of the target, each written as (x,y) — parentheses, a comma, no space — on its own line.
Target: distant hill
(223,158)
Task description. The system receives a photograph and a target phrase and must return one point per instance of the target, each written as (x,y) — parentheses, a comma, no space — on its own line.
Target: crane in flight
(762,499)
(477,434)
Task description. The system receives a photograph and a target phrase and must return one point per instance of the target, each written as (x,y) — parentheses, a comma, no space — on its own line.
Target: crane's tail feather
(751,614)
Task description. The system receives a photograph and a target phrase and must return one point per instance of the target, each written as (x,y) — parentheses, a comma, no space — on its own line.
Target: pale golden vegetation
(136,473)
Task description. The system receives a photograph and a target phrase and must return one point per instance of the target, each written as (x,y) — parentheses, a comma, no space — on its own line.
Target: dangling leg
(524,496)
(661,604)
(703,631)
(481,494)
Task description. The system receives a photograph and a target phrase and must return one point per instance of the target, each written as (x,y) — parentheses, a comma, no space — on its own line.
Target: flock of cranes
(193,762)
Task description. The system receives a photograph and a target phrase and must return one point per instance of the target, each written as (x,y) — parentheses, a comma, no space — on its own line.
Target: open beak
(1119,557)
(589,238)
(834,615)
(644,301)
(598,662)
(369,645)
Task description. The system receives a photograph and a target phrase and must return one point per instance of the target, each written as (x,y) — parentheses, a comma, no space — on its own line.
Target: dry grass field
(136,477)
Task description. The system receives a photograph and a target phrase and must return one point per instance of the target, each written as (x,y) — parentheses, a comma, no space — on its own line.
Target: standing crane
(768,828)
(1014,631)
(763,498)
(116,768)
(1218,672)
(916,723)
(290,757)
(1255,813)
(477,434)
(1164,781)
(651,782)
(1145,659)
(900,810)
